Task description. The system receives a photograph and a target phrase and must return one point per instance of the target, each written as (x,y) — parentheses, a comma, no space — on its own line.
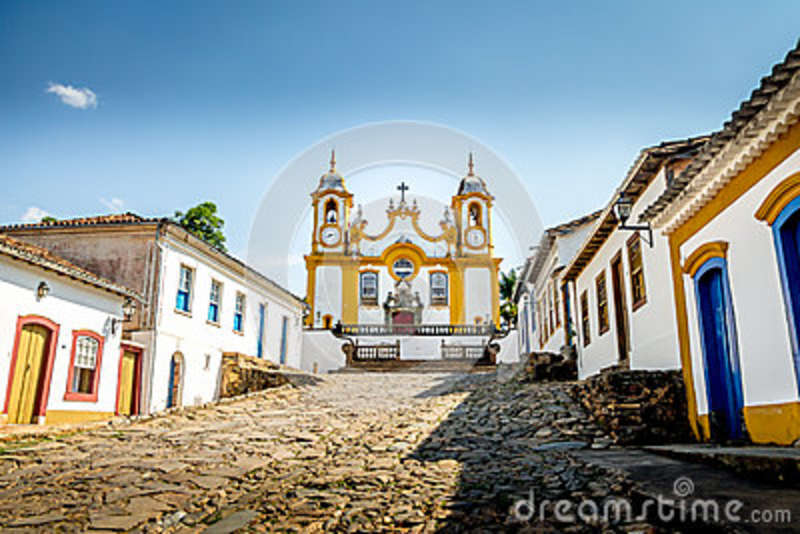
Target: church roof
(331,179)
(472,183)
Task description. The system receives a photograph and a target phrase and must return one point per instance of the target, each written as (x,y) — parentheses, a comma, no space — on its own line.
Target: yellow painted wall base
(60,417)
(777,424)
(773,423)
(704,427)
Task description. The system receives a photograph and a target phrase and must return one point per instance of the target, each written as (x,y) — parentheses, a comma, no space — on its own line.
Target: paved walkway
(355,453)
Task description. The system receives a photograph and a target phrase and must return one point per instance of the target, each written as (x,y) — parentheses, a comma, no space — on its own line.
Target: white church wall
(509,348)
(764,347)
(328,293)
(478,294)
(322,348)
(652,327)
(73,306)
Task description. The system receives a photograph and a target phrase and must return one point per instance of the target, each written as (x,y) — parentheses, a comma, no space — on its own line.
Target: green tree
(48,219)
(202,221)
(508,308)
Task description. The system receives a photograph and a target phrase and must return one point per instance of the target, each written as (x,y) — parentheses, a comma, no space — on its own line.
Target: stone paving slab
(353,453)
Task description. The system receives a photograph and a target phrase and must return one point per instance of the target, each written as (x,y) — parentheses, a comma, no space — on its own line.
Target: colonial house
(731,222)
(198,302)
(62,357)
(619,278)
(544,318)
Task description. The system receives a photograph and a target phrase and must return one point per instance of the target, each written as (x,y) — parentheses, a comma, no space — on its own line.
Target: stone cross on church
(402,188)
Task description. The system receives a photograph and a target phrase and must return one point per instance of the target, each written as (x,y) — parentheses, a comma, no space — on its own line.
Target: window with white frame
(369,288)
(85,365)
(213,301)
(439,288)
(184,297)
(238,313)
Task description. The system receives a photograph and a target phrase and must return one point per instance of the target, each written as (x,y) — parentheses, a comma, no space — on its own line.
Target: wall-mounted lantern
(42,290)
(622,210)
(128,309)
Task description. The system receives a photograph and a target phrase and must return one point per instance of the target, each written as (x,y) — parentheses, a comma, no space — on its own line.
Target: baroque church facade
(401,271)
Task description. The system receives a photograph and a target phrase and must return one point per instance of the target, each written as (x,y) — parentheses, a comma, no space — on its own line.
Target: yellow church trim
(703,253)
(782,148)
(779,198)
(350,293)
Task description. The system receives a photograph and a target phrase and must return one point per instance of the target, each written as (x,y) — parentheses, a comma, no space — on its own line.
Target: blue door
(786,230)
(284,327)
(261,314)
(718,339)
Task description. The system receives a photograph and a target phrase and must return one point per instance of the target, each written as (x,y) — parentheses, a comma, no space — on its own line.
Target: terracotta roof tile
(116,218)
(45,259)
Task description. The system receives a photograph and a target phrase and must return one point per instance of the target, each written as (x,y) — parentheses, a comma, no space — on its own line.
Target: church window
(83,374)
(475,214)
(585,327)
(403,268)
(637,272)
(602,304)
(439,289)
(369,288)
(214,301)
(184,297)
(238,313)
(331,211)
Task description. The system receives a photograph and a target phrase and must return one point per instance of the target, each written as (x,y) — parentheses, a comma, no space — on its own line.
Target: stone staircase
(416,366)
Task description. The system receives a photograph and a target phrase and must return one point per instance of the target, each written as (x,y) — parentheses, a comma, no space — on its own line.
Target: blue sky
(208,101)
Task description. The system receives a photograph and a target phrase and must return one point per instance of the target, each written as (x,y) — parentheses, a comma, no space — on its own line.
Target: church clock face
(330,236)
(475,238)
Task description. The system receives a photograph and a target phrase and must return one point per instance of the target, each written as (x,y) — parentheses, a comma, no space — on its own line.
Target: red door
(403,318)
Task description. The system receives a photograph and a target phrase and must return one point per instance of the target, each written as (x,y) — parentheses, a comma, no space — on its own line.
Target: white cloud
(81,98)
(114,204)
(34,214)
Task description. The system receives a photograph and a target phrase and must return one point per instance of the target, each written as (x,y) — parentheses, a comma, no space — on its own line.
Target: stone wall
(245,374)
(546,366)
(637,407)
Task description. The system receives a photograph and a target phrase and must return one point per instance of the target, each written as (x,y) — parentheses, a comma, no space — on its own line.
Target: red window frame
(84,397)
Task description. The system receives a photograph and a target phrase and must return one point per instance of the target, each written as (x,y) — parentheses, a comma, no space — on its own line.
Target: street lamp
(622,210)
(128,307)
(42,290)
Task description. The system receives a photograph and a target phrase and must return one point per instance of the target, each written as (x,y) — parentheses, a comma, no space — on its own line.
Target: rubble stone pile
(549,366)
(637,407)
(246,374)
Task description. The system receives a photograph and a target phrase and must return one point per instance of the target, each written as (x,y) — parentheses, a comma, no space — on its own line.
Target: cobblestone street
(356,452)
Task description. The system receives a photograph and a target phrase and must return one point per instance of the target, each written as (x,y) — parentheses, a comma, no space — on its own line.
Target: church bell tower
(472,206)
(331,206)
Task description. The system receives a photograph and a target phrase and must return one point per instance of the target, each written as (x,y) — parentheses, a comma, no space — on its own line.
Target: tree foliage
(203,222)
(508,308)
(48,219)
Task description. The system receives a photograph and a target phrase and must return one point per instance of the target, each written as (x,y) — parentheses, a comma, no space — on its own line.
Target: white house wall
(652,327)
(765,355)
(73,306)
(202,343)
